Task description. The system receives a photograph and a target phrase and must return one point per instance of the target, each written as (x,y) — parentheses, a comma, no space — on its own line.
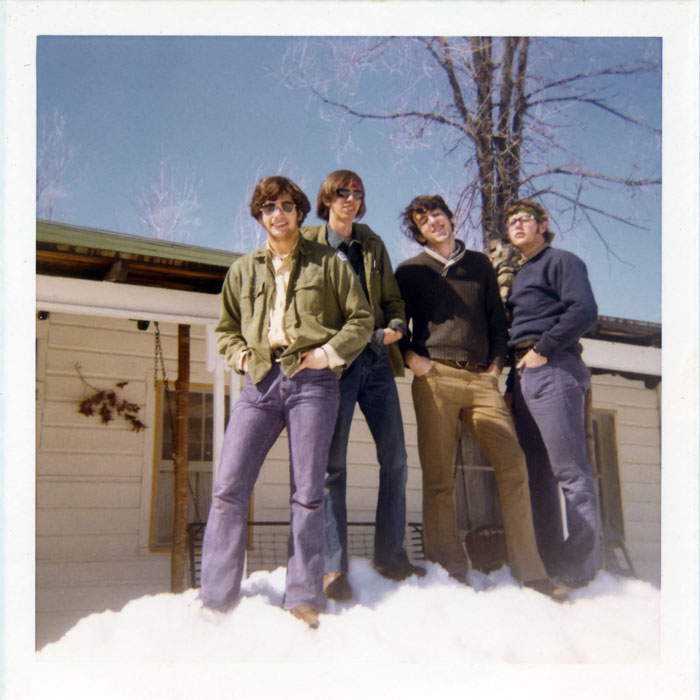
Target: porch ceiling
(80,253)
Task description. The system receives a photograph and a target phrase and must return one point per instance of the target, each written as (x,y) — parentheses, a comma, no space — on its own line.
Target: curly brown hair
(270,188)
(420,205)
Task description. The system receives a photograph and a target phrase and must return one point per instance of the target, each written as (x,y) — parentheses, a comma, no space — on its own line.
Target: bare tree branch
(167,203)
(54,156)
(481,99)
(611,71)
(574,170)
(426,116)
(601,105)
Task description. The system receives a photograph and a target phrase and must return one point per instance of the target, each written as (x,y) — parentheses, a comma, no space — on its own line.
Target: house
(108,310)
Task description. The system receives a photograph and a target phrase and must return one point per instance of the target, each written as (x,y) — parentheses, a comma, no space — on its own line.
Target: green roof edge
(68,234)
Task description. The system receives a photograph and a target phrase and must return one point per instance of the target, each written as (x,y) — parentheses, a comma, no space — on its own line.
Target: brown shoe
(548,588)
(337,587)
(306,614)
(400,570)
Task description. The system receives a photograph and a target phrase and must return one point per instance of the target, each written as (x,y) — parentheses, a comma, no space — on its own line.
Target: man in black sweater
(552,306)
(456,352)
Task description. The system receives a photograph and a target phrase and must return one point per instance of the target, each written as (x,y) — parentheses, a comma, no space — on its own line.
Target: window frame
(160,465)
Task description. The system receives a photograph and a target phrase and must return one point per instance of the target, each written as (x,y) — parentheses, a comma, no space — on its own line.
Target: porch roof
(65,250)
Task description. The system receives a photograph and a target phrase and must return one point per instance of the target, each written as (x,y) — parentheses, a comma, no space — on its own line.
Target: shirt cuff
(397,325)
(240,361)
(334,359)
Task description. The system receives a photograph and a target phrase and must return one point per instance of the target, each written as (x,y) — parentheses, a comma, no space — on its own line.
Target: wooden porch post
(181,461)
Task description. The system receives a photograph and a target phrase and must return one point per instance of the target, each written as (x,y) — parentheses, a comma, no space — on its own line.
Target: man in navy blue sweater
(552,306)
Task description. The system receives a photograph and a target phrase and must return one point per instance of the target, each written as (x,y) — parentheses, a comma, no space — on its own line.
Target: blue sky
(217,109)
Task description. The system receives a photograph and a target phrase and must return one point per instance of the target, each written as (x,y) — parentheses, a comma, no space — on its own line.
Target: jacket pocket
(308,296)
(252,310)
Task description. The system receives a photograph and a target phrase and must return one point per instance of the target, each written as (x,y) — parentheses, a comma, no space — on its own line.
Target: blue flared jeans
(549,415)
(369,383)
(307,405)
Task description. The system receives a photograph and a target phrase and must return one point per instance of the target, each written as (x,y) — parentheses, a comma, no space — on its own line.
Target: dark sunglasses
(287,207)
(344,193)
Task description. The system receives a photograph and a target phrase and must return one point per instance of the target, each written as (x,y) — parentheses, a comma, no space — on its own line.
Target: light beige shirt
(277,331)
(277,334)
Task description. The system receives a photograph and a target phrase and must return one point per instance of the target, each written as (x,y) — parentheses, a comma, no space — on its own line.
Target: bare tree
(167,203)
(483,100)
(53,158)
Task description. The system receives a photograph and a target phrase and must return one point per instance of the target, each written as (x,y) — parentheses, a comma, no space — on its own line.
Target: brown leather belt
(463,364)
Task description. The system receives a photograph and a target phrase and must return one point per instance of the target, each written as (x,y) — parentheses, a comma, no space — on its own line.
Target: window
(605,466)
(201,446)
(476,491)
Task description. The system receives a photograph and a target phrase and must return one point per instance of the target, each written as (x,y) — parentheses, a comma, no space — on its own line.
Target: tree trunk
(483,132)
(181,461)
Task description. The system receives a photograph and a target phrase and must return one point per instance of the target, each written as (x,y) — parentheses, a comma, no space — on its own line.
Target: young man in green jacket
(368,382)
(293,317)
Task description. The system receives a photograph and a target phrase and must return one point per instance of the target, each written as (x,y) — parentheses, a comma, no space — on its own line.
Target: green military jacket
(384,296)
(325,304)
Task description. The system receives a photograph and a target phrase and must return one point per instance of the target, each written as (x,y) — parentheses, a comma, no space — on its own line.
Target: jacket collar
(333,239)
(360,232)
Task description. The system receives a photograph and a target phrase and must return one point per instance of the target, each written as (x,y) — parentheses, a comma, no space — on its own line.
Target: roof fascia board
(622,357)
(75,296)
(76,236)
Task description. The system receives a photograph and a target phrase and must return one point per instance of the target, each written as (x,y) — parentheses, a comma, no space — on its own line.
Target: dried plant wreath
(107,404)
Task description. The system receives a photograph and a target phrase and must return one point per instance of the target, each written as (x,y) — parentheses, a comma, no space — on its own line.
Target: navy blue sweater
(552,302)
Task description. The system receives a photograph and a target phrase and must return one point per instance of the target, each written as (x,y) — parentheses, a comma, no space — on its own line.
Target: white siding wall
(637,425)
(94,481)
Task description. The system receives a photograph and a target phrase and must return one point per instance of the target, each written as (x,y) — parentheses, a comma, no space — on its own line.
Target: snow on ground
(167,646)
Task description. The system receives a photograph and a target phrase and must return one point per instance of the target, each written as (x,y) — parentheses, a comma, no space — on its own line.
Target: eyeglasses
(344,193)
(523,219)
(269,209)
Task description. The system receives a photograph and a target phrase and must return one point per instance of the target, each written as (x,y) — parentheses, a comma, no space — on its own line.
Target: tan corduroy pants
(442,397)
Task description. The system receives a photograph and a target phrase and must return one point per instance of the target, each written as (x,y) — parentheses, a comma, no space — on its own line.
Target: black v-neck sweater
(455,310)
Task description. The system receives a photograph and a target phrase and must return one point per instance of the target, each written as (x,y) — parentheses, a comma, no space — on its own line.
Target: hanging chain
(169,404)
(166,385)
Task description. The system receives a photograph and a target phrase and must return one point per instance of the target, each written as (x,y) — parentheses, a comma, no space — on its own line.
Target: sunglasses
(344,193)
(286,207)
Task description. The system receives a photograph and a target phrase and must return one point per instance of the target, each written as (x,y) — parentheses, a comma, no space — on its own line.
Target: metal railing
(268,541)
